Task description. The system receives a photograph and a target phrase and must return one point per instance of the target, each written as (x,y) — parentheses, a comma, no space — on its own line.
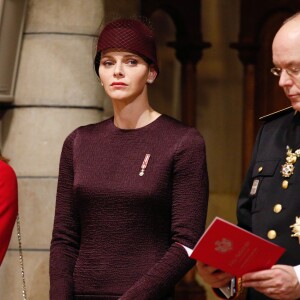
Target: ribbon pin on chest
(144,164)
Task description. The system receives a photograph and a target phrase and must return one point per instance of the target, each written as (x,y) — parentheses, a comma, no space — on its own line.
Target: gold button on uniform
(260,169)
(272,234)
(277,208)
(285,184)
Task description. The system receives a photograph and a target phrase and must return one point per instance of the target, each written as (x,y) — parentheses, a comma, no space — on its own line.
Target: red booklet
(234,250)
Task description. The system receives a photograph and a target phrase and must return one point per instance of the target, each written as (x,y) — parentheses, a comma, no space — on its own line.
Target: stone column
(56,91)
(248,56)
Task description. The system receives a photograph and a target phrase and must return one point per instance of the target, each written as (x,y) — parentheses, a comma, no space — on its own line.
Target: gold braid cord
(241,292)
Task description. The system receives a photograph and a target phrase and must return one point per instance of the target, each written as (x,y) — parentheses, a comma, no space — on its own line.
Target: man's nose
(285,79)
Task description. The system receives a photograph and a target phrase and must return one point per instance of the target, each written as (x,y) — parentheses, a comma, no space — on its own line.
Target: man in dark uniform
(269,203)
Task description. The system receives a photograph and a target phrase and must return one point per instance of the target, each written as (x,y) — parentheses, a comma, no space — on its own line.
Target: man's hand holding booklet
(234,250)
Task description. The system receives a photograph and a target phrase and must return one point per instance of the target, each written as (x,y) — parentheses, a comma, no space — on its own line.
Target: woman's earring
(149,81)
(101,83)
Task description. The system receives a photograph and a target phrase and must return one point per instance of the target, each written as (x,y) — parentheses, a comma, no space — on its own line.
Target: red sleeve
(8,205)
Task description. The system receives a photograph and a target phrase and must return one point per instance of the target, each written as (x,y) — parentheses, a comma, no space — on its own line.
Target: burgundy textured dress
(115,232)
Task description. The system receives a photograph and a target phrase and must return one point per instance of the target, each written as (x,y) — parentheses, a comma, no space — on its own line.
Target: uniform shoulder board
(276,114)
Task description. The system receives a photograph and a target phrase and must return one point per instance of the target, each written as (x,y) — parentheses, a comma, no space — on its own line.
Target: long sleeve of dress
(8,205)
(190,194)
(65,241)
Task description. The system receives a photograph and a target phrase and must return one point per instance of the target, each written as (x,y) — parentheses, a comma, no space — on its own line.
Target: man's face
(286,57)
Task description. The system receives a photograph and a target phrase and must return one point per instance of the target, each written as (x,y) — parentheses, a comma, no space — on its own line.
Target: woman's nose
(118,71)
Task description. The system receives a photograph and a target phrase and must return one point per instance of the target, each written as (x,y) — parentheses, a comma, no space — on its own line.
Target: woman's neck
(133,117)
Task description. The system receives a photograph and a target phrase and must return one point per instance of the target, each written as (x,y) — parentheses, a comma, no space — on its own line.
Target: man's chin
(296,105)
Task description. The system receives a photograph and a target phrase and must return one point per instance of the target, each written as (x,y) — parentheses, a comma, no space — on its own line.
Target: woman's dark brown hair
(3,158)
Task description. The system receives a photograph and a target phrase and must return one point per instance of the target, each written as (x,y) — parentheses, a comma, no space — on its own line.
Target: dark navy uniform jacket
(267,206)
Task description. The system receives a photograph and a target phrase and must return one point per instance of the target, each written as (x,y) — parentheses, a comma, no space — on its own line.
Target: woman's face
(124,75)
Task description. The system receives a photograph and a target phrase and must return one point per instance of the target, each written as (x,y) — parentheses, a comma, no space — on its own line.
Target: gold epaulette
(276,114)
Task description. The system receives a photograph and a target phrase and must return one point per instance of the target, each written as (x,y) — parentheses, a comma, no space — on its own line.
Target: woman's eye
(132,62)
(107,63)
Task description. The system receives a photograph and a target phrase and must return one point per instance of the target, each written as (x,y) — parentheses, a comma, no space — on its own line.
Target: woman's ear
(152,74)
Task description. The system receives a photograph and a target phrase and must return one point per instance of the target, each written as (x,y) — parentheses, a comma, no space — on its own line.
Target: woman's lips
(118,84)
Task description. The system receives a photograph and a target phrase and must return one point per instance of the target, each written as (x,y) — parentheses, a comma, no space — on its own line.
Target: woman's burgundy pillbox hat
(131,35)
